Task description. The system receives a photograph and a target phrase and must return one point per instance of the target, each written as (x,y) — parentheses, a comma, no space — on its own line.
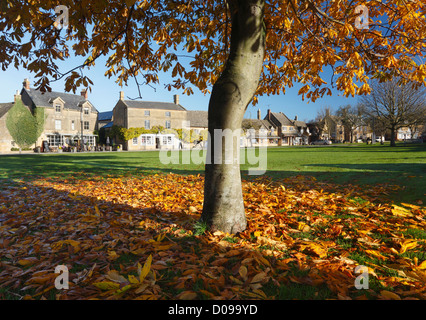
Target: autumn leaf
(187,295)
(400,211)
(407,245)
(389,295)
(113,275)
(107,285)
(143,272)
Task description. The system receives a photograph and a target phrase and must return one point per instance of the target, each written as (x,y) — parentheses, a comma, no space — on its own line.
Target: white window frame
(58,106)
(149,124)
(58,124)
(168,124)
(147,140)
(72,125)
(167,140)
(86,125)
(135,141)
(147,113)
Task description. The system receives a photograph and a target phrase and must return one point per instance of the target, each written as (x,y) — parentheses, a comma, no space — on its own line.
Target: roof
(256,123)
(282,118)
(72,101)
(105,116)
(197,118)
(298,123)
(153,105)
(5,107)
(108,125)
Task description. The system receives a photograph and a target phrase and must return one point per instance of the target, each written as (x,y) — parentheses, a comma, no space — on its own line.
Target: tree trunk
(393,137)
(223,200)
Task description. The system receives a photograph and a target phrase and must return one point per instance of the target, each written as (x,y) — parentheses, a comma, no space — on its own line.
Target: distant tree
(24,126)
(351,118)
(321,121)
(396,104)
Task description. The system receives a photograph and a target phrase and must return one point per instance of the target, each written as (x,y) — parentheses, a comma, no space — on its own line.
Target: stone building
(69,119)
(149,114)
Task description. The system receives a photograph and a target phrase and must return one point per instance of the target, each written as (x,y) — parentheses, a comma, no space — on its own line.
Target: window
(147,140)
(284,129)
(168,124)
(86,110)
(90,140)
(168,114)
(56,140)
(58,108)
(167,140)
(135,141)
(147,124)
(58,125)
(86,125)
(147,113)
(72,125)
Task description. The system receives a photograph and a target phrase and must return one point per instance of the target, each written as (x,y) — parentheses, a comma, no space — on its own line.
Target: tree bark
(393,137)
(223,207)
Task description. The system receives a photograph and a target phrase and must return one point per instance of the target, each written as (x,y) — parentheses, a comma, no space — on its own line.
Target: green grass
(341,164)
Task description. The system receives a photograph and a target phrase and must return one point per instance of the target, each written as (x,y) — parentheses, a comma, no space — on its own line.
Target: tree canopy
(24,127)
(191,39)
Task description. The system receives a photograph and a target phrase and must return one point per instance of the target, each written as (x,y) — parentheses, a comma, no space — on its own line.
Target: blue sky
(105,93)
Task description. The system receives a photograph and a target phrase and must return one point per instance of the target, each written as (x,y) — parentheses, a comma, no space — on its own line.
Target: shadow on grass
(119,237)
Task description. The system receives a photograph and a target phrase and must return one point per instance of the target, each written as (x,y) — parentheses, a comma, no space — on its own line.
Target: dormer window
(58,108)
(86,110)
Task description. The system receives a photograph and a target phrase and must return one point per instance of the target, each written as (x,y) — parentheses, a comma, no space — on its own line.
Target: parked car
(321,142)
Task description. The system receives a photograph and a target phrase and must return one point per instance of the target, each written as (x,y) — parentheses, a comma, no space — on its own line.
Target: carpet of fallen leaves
(138,238)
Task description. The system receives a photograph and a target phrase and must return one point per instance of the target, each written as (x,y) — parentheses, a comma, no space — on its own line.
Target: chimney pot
(121,95)
(84,93)
(176,99)
(259,115)
(295,118)
(26,84)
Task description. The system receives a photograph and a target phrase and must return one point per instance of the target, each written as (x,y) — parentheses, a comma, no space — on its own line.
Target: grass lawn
(127,226)
(360,164)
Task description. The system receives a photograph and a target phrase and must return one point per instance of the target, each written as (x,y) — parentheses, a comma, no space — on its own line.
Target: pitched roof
(197,118)
(256,123)
(153,105)
(5,107)
(108,125)
(298,123)
(72,101)
(105,116)
(282,118)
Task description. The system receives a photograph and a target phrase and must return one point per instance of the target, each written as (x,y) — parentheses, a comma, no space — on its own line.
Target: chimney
(258,115)
(295,118)
(84,93)
(121,95)
(269,114)
(26,84)
(17,96)
(176,99)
